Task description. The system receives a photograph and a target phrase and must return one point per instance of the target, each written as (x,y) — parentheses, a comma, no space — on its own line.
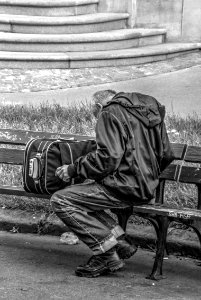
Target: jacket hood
(145,108)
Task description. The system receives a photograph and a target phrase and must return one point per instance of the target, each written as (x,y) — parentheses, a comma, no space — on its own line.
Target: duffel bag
(43,156)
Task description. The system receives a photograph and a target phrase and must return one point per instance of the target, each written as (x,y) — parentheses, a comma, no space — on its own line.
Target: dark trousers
(82,208)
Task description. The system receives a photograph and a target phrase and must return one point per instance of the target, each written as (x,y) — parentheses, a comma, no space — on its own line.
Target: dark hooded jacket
(132,148)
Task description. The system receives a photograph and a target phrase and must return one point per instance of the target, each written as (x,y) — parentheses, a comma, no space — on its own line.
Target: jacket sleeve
(110,139)
(168,155)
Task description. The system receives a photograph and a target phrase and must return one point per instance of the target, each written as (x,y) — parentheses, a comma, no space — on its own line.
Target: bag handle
(64,150)
(63,156)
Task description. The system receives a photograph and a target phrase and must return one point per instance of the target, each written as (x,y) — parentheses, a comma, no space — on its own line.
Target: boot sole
(108,269)
(127,254)
(115,267)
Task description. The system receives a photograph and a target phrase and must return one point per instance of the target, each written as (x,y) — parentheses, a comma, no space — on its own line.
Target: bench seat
(168,211)
(185,169)
(19,191)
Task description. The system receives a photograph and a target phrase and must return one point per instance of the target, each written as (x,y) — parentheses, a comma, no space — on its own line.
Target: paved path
(179,91)
(40,267)
(176,83)
(16,80)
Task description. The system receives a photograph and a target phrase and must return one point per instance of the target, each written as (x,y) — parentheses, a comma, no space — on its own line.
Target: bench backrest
(181,171)
(177,171)
(16,138)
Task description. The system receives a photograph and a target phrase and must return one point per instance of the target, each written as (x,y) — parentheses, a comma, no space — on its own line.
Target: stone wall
(113,5)
(160,13)
(191,24)
(181,18)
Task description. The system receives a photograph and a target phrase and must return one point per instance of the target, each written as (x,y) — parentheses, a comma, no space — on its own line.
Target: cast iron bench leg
(123,216)
(196,225)
(163,224)
(197,228)
(154,222)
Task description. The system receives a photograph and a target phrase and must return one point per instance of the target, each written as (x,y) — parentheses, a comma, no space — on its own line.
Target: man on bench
(132,149)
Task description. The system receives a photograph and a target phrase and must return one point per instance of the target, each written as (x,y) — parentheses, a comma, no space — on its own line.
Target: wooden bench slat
(180,213)
(21,137)
(170,173)
(11,156)
(178,150)
(193,154)
(19,191)
(190,175)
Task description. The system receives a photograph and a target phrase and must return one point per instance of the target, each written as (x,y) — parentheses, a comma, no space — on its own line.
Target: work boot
(124,248)
(100,264)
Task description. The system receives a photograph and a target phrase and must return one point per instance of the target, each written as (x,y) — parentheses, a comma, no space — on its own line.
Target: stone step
(134,56)
(48,7)
(63,25)
(99,41)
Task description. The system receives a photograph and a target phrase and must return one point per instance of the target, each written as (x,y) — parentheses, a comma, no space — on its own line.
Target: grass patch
(45,117)
(185,130)
(79,120)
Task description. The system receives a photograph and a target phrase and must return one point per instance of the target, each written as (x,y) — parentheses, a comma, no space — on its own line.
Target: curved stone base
(29,60)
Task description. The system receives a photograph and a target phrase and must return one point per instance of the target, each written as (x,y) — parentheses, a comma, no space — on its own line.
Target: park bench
(12,143)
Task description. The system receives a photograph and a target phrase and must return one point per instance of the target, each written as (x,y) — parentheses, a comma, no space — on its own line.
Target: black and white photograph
(100,149)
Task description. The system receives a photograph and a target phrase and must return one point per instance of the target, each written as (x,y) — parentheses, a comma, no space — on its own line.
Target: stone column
(132,10)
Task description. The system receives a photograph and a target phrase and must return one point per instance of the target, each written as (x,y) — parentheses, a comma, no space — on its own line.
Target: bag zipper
(25,162)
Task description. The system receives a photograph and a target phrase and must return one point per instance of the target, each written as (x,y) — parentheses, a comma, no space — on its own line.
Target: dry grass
(54,118)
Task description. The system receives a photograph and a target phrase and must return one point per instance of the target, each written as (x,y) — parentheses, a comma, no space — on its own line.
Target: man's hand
(62,173)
